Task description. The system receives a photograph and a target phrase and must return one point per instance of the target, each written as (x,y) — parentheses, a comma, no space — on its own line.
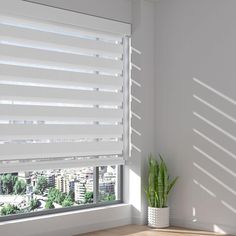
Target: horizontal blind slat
(19,74)
(58,59)
(63,114)
(59,95)
(53,150)
(29,131)
(61,164)
(13,34)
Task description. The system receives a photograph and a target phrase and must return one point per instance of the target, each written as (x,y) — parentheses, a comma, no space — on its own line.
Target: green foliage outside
(34,204)
(56,195)
(72,195)
(68,202)
(49,204)
(42,184)
(108,197)
(88,197)
(19,187)
(159,184)
(63,199)
(60,197)
(7,183)
(9,210)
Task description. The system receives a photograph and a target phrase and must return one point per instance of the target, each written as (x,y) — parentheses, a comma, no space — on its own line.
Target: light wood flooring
(137,230)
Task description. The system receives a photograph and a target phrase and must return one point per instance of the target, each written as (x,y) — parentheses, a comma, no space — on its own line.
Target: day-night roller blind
(63,88)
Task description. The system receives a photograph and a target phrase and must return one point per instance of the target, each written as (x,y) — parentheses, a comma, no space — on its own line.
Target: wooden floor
(137,230)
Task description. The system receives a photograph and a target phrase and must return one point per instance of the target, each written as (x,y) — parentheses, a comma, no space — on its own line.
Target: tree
(7,182)
(56,195)
(9,210)
(19,187)
(34,204)
(88,197)
(67,202)
(42,184)
(109,197)
(60,198)
(72,195)
(49,204)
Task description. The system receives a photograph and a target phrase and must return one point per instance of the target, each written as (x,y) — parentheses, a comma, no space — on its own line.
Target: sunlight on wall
(228,206)
(214,108)
(215,161)
(214,149)
(231,154)
(204,188)
(194,215)
(214,178)
(135,180)
(217,229)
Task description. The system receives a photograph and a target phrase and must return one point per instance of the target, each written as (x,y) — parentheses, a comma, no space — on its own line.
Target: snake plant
(159,184)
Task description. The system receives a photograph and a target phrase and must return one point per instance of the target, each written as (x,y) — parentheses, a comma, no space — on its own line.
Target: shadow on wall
(214,155)
(134,160)
(136,117)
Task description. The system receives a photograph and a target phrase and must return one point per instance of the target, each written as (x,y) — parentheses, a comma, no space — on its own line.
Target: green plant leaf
(171,185)
(159,185)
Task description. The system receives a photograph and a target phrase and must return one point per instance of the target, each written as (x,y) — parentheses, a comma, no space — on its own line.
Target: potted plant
(157,191)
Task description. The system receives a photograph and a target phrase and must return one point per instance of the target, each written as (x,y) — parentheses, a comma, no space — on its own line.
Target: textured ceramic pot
(158,217)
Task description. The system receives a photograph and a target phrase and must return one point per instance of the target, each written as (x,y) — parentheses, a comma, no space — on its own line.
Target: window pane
(34,191)
(108,184)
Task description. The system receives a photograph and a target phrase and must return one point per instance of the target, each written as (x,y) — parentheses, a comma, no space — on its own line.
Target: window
(41,191)
(64,108)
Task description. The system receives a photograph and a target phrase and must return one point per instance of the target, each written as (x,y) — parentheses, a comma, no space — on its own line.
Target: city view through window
(34,191)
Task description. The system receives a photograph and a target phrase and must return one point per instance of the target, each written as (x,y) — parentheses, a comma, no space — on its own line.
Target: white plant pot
(158,217)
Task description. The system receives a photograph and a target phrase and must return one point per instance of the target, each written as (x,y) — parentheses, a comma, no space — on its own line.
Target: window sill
(69,223)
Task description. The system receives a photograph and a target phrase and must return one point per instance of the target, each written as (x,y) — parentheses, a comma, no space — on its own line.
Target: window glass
(108,189)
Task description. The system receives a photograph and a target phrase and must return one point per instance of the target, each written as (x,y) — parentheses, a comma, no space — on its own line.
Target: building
(89,185)
(25,176)
(107,187)
(65,183)
(59,183)
(68,184)
(79,190)
(51,180)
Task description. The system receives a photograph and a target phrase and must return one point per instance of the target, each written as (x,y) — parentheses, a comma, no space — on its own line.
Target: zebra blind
(61,92)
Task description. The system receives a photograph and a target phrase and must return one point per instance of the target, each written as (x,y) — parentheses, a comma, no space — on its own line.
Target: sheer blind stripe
(53,131)
(59,95)
(11,74)
(63,164)
(35,151)
(61,88)
(40,113)
(27,55)
(56,42)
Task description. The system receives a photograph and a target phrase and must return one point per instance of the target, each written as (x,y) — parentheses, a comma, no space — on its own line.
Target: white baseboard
(218,228)
(138,221)
(89,228)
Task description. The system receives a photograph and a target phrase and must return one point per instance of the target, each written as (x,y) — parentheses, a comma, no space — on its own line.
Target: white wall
(143,133)
(196,39)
